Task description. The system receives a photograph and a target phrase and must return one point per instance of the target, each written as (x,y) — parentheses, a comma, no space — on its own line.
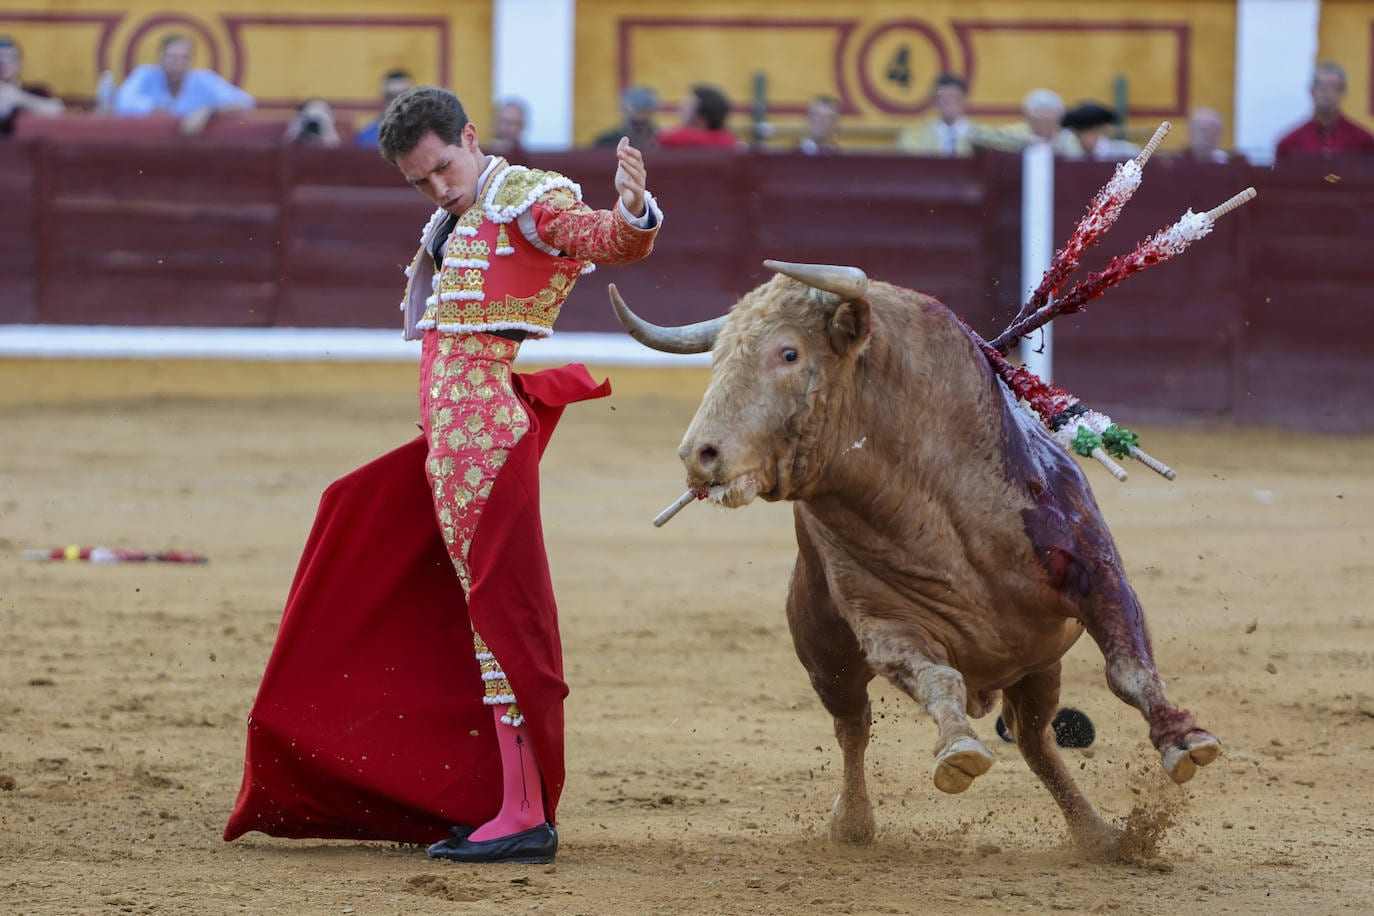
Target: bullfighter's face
(446,173)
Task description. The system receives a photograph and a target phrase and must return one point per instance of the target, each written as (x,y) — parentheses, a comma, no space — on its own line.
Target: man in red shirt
(704,113)
(1328,133)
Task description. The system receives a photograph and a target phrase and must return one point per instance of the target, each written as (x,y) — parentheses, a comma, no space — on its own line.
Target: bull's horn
(690,338)
(846,282)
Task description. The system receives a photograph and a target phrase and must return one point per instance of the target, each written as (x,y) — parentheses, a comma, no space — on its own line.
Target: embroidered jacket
(515,254)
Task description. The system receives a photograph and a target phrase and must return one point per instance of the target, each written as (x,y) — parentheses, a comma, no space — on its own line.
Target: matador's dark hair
(414,113)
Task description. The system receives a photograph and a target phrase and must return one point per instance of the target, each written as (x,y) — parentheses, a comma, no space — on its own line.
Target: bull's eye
(789,355)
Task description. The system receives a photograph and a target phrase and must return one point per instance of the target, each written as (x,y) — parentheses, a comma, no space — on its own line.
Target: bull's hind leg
(1029,711)
(826,645)
(959,756)
(1117,624)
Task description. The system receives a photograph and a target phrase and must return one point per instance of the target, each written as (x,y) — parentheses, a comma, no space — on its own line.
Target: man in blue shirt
(394,82)
(171,86)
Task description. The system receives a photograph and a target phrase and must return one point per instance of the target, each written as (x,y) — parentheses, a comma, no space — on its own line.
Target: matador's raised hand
(630,177)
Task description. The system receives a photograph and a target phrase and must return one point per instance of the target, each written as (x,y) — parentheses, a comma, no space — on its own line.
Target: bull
(944,540)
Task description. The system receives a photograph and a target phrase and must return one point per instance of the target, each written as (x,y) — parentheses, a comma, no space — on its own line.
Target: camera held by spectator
(313,125)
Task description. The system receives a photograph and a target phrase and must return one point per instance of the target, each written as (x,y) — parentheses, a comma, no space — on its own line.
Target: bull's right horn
(849,283)
(690,338)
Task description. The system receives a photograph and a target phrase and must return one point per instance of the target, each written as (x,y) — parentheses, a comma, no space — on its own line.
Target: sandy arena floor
(701,767)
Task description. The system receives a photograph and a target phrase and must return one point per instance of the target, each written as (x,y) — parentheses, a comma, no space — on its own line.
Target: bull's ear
(850,326)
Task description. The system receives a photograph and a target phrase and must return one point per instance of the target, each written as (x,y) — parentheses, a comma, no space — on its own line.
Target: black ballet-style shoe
(456,835)
(535,846)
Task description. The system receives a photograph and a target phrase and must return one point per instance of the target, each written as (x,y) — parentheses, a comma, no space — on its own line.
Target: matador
(496,262)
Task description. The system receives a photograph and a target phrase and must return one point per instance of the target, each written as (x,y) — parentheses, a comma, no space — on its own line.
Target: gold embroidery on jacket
(460,302)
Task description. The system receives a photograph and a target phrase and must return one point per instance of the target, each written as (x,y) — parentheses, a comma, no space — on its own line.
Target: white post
(1037,246)
(1276,48)
(532,58)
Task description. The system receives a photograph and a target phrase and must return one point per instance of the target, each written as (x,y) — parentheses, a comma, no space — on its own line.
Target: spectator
(949,132)
(704,113)
(1328,133)
(394,82)
(822,117)
(1043,110)
(172,86)
(313,125)
(1204,136)
(638,105)
(1089,122)
(18,97)
(508,129)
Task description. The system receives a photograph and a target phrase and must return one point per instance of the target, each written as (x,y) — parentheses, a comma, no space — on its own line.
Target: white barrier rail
(48,341)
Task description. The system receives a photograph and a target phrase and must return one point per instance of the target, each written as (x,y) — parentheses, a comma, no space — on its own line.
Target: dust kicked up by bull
(959,551)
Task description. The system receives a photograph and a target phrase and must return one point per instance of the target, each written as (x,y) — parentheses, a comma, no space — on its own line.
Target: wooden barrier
(1268,320)
(158,233)
(83,127)
(18,241)
(1305,262)
(349,227)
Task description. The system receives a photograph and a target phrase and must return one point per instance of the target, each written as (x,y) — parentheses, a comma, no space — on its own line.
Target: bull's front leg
(851,820)
(959,756)
(828,649)
(844,693)
(1113,618)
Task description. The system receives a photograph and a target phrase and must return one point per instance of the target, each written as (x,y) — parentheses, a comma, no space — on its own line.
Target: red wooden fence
(1270,320)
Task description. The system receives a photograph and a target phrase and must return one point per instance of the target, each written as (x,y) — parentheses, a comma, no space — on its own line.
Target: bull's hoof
(851,832)
(1197,749)
(851,822)
(1099,841)
(963,761)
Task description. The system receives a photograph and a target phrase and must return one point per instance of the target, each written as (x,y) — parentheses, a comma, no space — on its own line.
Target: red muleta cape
(369,723)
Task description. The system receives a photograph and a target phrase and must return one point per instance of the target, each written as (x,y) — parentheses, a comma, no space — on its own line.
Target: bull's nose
(702,461)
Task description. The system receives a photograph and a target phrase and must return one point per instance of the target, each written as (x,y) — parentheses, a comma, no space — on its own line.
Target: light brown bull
(945,541)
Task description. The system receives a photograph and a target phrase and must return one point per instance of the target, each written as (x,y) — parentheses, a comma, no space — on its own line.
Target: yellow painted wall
(281,51)
(1176,54)
(1346,36)
(881,56)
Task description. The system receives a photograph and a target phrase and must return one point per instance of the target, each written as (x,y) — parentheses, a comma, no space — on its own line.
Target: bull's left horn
(690,338)
(846,282)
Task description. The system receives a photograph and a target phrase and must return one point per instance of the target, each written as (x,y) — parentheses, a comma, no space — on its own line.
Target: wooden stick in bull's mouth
(675,508)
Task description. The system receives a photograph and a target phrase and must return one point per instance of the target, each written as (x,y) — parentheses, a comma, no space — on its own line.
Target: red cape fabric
(369,723)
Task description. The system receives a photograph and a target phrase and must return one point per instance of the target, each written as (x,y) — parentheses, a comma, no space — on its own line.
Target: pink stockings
(522,791)
(522,798)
